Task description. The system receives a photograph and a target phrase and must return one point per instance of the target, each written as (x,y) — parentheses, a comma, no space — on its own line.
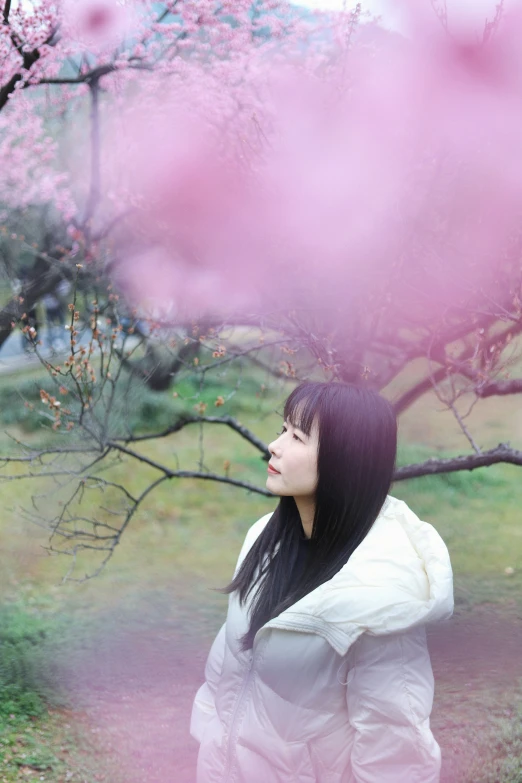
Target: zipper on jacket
(228,757)
(244,685)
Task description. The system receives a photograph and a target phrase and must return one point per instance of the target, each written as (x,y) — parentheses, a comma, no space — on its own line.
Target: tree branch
(7,9)
(152,370)
(44,281)
(416,391)
(189,418)
(190,473)
(457,366)
(442,13)
(501,388)
(91,76)
(434,465)
(490,28)
(28,60)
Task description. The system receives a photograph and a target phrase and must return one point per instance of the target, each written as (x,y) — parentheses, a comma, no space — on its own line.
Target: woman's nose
(273,447)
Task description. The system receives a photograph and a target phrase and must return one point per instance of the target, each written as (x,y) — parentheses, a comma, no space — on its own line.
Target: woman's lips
(272,470)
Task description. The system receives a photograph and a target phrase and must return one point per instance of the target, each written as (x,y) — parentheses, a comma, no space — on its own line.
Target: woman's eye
(283,429)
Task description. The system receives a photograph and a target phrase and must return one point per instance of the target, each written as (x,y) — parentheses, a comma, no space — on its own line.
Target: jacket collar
(399,577)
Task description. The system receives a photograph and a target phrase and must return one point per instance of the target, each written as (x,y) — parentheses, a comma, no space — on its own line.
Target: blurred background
(201,205)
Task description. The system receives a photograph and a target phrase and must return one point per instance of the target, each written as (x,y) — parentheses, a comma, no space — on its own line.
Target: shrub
(25,672)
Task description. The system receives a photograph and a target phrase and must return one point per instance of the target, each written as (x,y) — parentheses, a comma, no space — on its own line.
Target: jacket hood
(399,577)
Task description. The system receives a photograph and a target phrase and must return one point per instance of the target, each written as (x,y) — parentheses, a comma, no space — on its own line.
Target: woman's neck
(306,508)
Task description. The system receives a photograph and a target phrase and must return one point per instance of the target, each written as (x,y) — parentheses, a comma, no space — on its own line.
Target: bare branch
(191,473)
(425,385)
(36,456)
(432,466)
(501,388)
(460,365)
(441,11)
(490,28)
(189,418)
(467,433)
(159,374)
(91,76)
(156,373)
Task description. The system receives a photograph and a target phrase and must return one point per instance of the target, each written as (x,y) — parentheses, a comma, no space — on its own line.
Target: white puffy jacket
(339,687)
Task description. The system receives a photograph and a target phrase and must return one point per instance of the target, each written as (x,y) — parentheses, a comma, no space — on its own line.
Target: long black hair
(355,467)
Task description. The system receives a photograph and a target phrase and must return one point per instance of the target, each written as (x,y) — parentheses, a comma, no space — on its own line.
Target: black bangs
(302,406)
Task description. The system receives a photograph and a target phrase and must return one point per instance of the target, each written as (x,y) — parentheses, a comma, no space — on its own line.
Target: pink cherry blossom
(97,24)
(295,168)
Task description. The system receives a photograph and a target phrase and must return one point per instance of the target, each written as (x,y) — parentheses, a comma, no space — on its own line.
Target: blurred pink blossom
(98,24)
(305,186)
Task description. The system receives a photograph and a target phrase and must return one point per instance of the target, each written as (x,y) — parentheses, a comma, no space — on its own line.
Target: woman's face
(294,455)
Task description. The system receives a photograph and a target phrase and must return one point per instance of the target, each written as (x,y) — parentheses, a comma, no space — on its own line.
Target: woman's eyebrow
(294,426)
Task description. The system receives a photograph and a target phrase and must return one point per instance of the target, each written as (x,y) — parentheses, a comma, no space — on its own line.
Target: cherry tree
(250,184)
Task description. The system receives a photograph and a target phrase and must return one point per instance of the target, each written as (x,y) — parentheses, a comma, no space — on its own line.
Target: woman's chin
(272,485)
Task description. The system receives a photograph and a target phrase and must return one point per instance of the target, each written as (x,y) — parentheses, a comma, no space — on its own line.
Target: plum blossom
(98,24)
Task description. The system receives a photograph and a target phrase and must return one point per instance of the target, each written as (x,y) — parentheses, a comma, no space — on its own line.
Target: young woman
(321,672)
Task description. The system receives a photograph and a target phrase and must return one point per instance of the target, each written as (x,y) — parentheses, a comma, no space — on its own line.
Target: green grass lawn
(185,541)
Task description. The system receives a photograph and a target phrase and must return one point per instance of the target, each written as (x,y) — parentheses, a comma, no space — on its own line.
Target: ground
(136,689)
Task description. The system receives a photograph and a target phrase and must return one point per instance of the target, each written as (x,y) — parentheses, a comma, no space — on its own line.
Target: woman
(321,672)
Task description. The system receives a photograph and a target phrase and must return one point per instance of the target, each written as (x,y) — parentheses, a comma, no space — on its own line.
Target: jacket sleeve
(390,688)
(203,706)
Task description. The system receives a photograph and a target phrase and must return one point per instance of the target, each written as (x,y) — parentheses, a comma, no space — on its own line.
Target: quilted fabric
(339,687)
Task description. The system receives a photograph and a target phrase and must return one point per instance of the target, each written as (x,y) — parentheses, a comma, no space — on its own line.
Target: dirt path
(480,646)
(477,664)
(137,686)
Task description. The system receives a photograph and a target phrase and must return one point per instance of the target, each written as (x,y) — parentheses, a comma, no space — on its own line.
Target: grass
(36,737)
(55,748)
(508,745)
(185,540)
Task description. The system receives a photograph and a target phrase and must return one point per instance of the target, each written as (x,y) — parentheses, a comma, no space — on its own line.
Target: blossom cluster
(251,157)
